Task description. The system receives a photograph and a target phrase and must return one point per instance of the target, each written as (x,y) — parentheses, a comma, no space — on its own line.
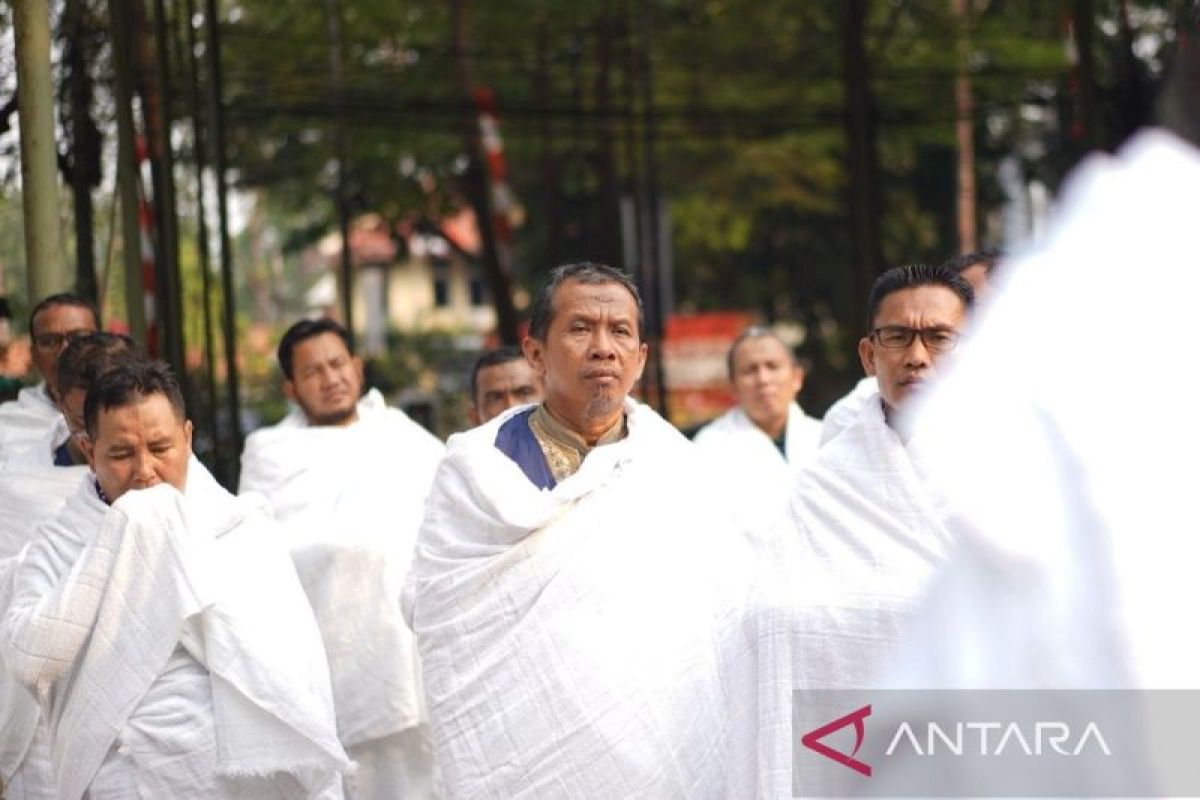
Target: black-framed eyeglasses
(53,341)
(937,340)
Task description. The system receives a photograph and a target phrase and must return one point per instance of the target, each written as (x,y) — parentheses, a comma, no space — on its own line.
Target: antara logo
(812,740)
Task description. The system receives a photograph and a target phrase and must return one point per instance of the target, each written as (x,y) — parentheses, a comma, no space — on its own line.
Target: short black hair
(960,264)
(89,357)
(492,358)
(913,276)
(127,384)
(64,299)
(306,329)
(584,272)
(755,332)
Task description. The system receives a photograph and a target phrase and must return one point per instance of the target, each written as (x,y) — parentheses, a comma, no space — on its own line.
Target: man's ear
(643,352)
(535,354)
(187,433)
(473,416)
(88,450)
(358,367)
(289,390)
(866,354)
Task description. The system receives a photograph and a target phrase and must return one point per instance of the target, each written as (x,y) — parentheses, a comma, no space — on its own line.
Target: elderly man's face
(53,329)
(326,380)
(140,445)
(766,381)
(592,354)
(502,386)
(902,370)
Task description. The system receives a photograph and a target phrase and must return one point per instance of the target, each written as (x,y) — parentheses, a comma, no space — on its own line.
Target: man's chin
(341,416)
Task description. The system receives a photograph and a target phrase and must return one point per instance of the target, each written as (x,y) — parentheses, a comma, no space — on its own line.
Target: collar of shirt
(564,448)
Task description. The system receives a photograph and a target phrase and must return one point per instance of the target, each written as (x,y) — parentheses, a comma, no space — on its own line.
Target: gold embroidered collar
(564,448)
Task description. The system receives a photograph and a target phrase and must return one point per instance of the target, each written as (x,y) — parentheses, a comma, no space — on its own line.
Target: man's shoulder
(727,424)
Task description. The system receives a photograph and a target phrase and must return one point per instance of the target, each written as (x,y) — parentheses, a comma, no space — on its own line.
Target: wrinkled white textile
(40,454)
(350,500)
(1081,573)
(573,639)
(839,582)
(25,421)
(170,647)
(27,498)
(755,478)
(844,412)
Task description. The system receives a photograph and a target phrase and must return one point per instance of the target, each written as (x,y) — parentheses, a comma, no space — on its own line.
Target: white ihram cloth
(26,421)
(27,498)
(573,639)
(40,454)
(844,412)
(1081,573)
(755,478)
(171,649)
(351,500)
(839,582)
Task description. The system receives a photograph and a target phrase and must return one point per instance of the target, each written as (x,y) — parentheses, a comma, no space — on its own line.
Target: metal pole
(127,174)
(216,118)
(210,357)
(650,230)
(46,272)
(345,273)
(163,169)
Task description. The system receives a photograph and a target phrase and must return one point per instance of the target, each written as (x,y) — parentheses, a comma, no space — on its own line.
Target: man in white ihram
(29,419)
(757,446)
(347,477)
(865,534)
(161,626)
(567,589)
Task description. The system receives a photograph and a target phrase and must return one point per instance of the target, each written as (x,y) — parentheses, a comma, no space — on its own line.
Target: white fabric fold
(1089,579)
(27,498)
(40,454)
(103,599)
(839,582)
(350,500)
(574,639)
(25,421)
(844,412)
(755,477)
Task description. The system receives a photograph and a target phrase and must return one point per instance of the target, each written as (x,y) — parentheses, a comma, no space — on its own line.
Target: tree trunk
(342,201)
(609,211)
(865,205)
(964,133)
(85,147)
(495,258)
(551,176)
(1084,130)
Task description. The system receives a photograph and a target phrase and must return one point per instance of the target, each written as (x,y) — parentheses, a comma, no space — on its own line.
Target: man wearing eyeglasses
(55,321)
(865,533)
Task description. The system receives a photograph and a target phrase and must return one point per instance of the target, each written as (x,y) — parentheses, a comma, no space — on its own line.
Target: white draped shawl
(40,454)
(755,478)
(350,500)
(1081,572)
(844,412)
(838,583)
(573,638)
(27,420)
(104,596)
(27,498)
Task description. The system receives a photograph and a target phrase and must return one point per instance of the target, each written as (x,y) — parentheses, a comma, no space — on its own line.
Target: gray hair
(755,332)
(582,272)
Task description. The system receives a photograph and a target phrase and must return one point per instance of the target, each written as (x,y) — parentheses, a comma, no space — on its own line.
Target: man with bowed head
(569,589)
(198,671)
